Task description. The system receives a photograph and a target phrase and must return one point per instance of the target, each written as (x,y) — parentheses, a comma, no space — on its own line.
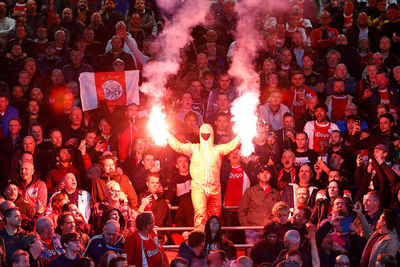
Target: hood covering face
(206,129)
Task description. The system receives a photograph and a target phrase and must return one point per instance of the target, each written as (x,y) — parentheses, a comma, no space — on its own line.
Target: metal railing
(170,247)
(230,228)
(223,228)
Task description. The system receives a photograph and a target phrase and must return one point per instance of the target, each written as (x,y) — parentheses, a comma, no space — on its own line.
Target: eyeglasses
(113,191)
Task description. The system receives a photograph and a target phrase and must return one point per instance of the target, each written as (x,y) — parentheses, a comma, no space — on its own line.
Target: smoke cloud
(168,5)
(174,37)
(244,71)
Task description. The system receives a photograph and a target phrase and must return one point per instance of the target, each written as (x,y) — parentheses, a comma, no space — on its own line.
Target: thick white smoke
(168,5)
(175,36)
(244,71)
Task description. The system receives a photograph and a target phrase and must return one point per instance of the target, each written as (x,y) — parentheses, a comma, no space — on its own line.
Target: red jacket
(155,254)
(289,99)
(316,41)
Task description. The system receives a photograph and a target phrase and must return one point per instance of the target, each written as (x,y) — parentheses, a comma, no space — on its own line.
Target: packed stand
(91,188)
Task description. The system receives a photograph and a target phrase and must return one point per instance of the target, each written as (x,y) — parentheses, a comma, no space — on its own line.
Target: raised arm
(180,147)
(225,149)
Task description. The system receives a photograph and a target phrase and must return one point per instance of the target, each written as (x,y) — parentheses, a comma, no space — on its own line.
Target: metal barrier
(170,247)
(230,228)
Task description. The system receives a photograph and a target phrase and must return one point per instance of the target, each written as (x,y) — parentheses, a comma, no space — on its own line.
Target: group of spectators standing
(90,188)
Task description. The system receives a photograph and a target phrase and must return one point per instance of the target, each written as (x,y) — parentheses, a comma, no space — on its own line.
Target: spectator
(308,115)
(215,241)
(33,189)
(19,258)
(269,247)
(147,20)
(111,173)
(145,239)
(273,111)
(261,195)
(217,258)
(193,251)
(7,112)
(6,23)
(362,30)
(110,17)
(303,154)
(319,130)
(71,245)
(223,131)
(287,174)
(187,102)
(375,245)
(323,205)
(114,199)
(72,71)
(339,100)
(145,167)
(324,37)
(224,86)
(11,235)
(295,98)
(152,200)
(11,194)
(292,242)
(281,212)
(290,193)
(10,144)
(111,239)
(34,247)
(381,94)
(57,202)
(341,73)
(49,239)
(66,224)
(105,60)
(179,186)
(285,137)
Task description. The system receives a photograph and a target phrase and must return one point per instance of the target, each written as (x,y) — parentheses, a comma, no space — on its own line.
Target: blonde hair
(279,208)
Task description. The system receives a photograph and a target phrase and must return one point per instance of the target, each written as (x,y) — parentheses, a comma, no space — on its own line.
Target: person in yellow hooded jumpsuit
(205,165)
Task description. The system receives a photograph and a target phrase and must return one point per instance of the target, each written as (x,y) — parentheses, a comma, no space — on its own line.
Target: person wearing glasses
(71,244)
(115,198)
(143,247)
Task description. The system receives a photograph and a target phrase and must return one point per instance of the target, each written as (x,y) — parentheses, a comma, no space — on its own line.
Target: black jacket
(353,33)
(187,253)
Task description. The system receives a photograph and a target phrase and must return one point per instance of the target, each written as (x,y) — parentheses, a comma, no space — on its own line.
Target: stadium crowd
(90,188)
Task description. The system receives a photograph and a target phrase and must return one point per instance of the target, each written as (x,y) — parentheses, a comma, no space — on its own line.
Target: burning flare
(157,125)
(244,116)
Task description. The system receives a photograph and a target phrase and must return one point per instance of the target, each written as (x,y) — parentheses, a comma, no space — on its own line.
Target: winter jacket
(388,244)
(99,188)
(205,159)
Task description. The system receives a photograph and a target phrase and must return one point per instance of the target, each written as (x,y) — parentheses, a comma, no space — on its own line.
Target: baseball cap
(264,167)
(382,147)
